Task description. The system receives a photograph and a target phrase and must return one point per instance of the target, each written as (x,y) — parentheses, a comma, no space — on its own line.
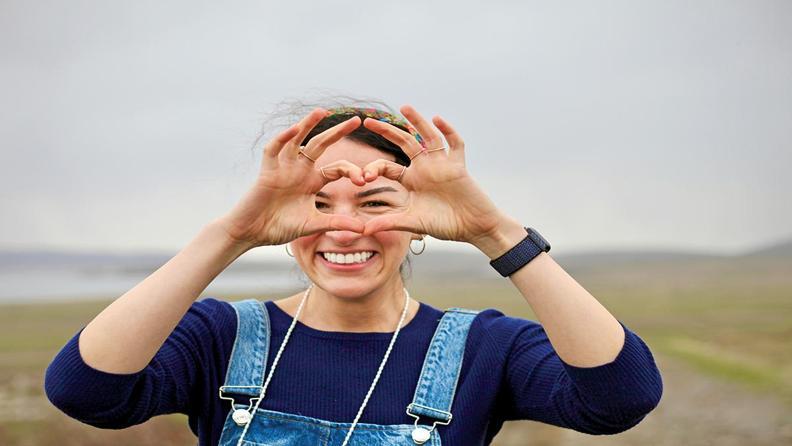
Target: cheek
(393,241)
(304,243)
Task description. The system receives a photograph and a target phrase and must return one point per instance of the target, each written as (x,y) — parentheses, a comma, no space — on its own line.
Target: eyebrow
(365,193)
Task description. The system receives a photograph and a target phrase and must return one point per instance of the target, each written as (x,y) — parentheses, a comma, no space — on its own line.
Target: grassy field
(720,332)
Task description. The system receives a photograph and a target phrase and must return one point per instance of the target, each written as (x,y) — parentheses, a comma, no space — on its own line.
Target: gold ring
(439,148)
(321,169)
(302,152)
(402,173)
(422,151)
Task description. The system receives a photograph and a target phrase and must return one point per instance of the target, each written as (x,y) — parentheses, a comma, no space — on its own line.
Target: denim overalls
(430,406)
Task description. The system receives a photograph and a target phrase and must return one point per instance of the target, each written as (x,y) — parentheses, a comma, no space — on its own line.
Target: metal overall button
(240,416)
(421,434)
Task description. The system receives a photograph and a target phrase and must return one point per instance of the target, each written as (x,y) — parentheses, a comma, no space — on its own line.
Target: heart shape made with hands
(444,200)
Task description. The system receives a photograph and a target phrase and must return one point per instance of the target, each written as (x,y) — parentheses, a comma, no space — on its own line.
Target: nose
(346,238)
(343,238)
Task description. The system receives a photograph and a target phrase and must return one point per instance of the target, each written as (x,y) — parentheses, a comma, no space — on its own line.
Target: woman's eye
(320,205)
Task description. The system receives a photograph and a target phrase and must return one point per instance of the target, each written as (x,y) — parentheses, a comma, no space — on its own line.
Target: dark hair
(362,134)
(287,112)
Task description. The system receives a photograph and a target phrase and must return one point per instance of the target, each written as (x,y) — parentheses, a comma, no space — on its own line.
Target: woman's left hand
(445,202)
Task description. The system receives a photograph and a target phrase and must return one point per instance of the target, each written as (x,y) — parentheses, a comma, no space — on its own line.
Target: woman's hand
(280,206)
(445,202)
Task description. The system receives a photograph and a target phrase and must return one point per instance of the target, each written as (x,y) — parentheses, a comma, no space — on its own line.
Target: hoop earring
(423,246)
(287,250)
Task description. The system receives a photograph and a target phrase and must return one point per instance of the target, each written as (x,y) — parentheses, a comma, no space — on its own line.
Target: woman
(353,359)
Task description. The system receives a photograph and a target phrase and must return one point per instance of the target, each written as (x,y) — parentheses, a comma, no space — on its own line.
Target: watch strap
(531,246)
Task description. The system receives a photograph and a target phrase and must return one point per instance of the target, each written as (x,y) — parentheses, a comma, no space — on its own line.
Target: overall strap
(440,373)
(247,365)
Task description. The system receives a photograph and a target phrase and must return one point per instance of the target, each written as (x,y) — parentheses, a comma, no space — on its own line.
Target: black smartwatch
(522,253)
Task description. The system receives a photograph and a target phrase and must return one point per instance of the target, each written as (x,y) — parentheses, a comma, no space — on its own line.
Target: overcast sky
(667,124)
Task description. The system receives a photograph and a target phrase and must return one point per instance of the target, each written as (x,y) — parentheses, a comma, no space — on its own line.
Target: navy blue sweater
(510,371)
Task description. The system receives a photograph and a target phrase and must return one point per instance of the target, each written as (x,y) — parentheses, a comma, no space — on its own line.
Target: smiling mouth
(350,261)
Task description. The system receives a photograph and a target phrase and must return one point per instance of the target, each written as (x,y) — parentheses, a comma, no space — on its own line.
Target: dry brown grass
(720,335)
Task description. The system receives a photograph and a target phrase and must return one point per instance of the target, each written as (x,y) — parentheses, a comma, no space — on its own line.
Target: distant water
(62,284)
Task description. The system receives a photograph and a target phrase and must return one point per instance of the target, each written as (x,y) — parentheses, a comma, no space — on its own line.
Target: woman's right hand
(280,206)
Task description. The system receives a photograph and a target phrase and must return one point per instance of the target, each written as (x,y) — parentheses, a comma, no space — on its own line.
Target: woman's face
(342,197)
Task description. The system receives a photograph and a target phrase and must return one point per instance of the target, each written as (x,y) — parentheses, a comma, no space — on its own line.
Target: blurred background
(649,142)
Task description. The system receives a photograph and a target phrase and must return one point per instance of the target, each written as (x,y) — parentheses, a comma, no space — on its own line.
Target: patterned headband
(379,115)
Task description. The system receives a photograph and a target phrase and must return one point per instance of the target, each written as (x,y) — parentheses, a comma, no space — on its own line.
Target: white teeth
(358,257)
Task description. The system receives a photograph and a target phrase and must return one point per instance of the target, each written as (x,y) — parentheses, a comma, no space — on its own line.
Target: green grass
(716,361)
(735,326)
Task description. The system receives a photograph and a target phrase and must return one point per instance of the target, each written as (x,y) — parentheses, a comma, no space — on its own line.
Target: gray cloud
(663,124)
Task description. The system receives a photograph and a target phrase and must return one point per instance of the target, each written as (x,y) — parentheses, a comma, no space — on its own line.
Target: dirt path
(695,410)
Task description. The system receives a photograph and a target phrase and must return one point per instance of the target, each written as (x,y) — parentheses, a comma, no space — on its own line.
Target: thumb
(393,222)
(331,222)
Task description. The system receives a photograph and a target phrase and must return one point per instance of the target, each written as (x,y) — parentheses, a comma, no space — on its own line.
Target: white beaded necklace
(286,340)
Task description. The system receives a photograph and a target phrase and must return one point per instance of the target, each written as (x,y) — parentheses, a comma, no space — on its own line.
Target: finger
(305,125)
(342,168)
(331,222)
(386,168)
(401,221)
(429,133)
(395,135)
(455,143)
(273,148)
(320,142)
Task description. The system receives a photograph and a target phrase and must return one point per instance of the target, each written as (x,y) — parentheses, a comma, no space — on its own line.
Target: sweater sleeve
(173,382)
(605,399)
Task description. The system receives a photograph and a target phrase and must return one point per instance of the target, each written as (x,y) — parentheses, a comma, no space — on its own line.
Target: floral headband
(379,115)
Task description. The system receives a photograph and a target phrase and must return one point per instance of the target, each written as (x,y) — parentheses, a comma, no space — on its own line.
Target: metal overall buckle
(240,416)
(421,434)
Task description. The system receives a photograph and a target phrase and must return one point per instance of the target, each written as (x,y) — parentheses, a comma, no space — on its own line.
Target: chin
(347,288)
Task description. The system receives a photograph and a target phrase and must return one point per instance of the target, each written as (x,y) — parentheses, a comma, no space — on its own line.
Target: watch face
(538,239)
